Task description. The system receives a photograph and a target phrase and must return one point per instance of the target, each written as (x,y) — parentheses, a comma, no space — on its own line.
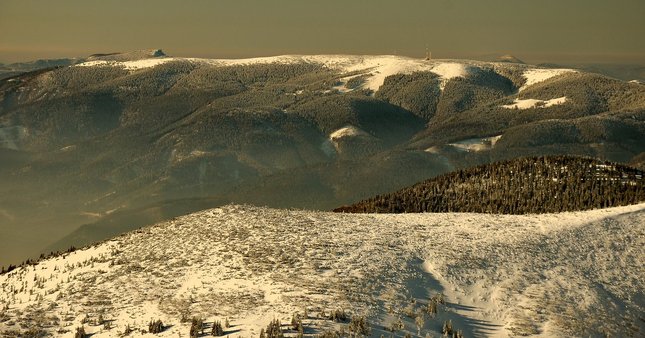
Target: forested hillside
(518,186)
(128,139)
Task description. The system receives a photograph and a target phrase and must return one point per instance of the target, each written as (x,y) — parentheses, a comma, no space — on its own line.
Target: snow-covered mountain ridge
(117,147)
(577,273)
(376,67)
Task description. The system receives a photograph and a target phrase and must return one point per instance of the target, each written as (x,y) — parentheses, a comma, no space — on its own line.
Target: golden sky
(536,31)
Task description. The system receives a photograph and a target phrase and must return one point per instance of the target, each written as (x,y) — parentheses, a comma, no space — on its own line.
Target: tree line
(519,186)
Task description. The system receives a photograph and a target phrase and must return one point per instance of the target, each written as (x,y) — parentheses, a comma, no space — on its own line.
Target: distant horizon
(559,59)
(551,31)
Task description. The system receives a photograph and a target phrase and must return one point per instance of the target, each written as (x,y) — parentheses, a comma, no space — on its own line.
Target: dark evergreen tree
(359,326)
(218,330)
(274,330)
(196,327)
(447,328)
(80,332)
(338,315)
(155,326)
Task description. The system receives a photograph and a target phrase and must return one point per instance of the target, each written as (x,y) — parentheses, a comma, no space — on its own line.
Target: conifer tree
(155,326)
(447,328)
(80,332)
(196,327)
(217,329)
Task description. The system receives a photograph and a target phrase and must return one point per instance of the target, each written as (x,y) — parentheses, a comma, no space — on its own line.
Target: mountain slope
(553,275)
(518,186)
(92,142)
(15,69)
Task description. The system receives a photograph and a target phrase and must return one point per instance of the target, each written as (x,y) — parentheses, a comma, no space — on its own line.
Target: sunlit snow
(537,75)
(347,131)
(475,144)
(375,67)
(501,274)
(535,103)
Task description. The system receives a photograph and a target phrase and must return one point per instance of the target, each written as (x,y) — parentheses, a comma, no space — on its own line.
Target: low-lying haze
(575,31)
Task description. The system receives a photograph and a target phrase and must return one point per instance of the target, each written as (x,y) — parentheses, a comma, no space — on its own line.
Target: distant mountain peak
(157,53)
(128,56)
(509,58)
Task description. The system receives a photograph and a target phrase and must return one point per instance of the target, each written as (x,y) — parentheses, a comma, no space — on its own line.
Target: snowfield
(535,103)
(448,71)
(475,144)
(129,65)
(552,275)
(347,131)
(537,75)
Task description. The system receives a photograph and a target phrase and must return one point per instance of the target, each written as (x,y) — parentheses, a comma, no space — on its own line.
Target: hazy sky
(533,30)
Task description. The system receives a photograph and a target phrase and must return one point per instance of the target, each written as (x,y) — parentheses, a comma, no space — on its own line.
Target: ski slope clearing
(449,71)
(537,75)
(555,275)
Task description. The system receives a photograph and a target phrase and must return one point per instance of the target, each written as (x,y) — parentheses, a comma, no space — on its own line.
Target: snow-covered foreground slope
(549,275)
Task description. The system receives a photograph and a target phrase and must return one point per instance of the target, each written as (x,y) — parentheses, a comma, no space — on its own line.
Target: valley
(101,145)
(322,169)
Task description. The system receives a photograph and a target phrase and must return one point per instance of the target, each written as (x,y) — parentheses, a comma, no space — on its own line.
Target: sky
(583,31)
